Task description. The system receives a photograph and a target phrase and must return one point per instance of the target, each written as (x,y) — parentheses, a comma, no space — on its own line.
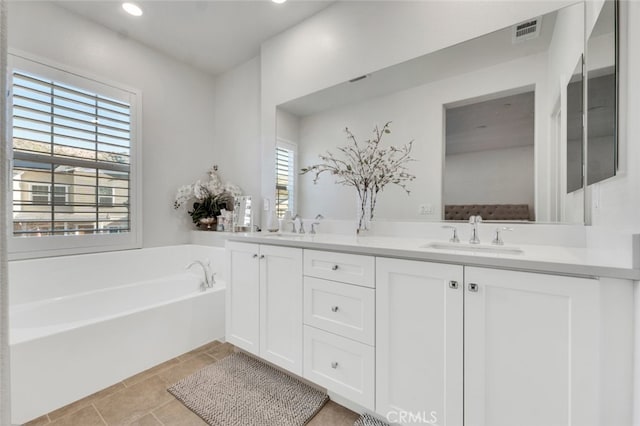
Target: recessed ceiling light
(132,9)
(278,1)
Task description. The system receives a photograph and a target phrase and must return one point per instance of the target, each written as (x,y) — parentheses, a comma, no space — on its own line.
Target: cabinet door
(242,296)
(419,358)
(281,306)
(531,349)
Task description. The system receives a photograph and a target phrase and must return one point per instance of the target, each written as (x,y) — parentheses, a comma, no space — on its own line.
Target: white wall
(287,126)
(177,103)
(497,176)
(236,120)
(416,114)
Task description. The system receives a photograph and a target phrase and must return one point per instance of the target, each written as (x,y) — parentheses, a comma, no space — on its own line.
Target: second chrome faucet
(474,221)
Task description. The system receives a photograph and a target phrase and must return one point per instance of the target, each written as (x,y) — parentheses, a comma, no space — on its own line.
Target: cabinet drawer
(343,309)
(341,365)
(348,268)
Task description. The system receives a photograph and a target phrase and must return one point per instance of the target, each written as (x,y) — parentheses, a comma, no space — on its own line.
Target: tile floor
(142,400)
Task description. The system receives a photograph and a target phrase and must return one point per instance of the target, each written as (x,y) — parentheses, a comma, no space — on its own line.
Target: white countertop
(537,258)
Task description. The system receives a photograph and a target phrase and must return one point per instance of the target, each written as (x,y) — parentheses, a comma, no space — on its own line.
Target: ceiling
(505,122)
(211,35)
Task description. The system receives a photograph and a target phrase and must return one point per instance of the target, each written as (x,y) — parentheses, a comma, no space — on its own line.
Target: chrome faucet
(474,221)
(454,237)
(293,224)
(209,277)
(297,217)
(497,239)
(313,225)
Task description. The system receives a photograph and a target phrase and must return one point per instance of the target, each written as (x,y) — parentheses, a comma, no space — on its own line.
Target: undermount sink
(284,235)
(474,248)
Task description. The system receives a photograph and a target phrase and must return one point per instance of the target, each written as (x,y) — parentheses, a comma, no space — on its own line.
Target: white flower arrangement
(210,198)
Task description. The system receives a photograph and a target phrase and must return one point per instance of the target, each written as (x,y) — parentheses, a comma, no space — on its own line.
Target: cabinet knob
(334,309)
(334,268)
(254,256)
(262,256)
(334,365)
(453,285)
(473,287)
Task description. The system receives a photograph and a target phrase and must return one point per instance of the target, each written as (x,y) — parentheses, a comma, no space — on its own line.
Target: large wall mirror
(496,123)
(602,95)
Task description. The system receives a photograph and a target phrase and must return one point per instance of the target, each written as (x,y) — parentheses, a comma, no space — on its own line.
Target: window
(285,177)
(105,196)
(42,194)
(73,158)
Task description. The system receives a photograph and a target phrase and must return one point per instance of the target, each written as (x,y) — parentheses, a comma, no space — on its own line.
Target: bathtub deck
(142,399)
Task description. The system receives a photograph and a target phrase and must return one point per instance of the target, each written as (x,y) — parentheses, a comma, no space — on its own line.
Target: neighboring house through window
(74,160)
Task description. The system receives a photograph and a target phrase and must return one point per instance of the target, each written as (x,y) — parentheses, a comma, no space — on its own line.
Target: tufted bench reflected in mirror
(487,211)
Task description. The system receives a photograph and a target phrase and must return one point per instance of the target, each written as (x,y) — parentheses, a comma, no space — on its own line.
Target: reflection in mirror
(414,95)
(489,159)
(602,96)
(242,214)
(575,132)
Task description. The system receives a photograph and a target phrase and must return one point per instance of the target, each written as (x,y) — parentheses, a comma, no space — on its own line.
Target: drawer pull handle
(334,268)
(334,365)
(334,309)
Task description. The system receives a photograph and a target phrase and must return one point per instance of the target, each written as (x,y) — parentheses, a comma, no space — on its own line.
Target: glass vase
(364,212)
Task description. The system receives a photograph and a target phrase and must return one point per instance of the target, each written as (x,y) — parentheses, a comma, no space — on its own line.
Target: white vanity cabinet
(503,347)
(242,322)
(339,318)
(531,349)
(264,302)
(419,340)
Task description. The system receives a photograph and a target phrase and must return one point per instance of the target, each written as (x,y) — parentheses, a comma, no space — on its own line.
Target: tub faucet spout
(209,277)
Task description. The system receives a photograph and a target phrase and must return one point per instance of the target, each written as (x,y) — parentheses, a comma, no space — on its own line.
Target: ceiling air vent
(526,30)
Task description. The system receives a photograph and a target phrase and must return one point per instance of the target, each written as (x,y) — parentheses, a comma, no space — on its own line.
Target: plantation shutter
(285,178)
(71,159)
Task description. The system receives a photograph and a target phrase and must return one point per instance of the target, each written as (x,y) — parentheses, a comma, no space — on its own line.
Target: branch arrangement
(367,166)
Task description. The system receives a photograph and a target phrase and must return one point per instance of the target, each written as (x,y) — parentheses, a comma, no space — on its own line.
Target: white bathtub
(82,323)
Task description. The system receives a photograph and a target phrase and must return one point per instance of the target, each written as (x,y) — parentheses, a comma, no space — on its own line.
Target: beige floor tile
(148,420)
(144,401)
(204,348)
(42,420)
(333,414)
(150,372)
(133,402)
(185,368)
(222,351)
(84,402)
(176,414)
(87,416)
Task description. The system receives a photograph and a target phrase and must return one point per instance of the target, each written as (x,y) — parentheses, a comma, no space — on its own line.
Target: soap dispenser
(273,225)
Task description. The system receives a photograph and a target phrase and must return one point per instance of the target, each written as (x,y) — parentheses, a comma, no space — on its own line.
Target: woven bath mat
(240,390)
(369,420)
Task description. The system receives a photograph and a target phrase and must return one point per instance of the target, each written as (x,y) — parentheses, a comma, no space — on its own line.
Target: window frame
(293,198)
(57,245)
